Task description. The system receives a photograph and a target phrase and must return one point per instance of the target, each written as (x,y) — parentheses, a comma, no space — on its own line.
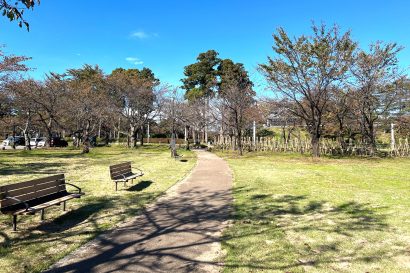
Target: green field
(297,214)
(36,245)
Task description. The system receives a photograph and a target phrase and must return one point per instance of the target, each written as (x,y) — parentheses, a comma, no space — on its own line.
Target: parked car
(38,142)
(58,142)
(17,140)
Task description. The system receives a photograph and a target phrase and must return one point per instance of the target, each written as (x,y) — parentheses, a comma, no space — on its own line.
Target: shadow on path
(179,233)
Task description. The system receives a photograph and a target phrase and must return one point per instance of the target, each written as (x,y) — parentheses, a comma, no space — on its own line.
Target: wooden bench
(122,173)
(27,198)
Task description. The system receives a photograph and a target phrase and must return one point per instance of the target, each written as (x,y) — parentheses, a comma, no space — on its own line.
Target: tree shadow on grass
(299,223)
(260,215)
(256,215)
(30,168)
(140,186)
(49,153)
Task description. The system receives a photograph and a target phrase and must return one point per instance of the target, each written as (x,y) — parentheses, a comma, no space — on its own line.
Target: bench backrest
(116,171)
(30,190)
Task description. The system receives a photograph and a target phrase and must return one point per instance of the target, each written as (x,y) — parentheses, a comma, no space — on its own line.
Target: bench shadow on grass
(85,220)
(140,186)
(74,217)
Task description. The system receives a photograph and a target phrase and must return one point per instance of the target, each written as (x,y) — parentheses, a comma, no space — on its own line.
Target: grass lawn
(36,245)
(296,214)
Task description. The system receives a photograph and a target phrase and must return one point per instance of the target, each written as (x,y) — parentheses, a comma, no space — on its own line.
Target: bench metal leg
(64,206)
(116,186)
(14,222)
(42,215)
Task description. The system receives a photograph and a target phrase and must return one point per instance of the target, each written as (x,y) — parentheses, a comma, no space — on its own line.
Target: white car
(38,142)
(11,140)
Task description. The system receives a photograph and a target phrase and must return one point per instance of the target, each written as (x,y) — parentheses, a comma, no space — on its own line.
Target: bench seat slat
(127,177)
(50,203)
(41,206)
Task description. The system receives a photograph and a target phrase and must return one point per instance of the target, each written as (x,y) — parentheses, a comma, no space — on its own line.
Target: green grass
(36,245)
(297,214)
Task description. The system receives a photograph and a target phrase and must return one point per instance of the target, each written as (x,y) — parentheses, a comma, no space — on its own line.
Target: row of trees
(79,102)
(324,83)
(331,84)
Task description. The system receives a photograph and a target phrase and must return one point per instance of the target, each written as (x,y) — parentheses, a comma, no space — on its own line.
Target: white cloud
(142,35)
(134,60)
(139,34)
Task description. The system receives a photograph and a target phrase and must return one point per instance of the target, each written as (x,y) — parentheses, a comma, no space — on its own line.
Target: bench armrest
(20,202)
(138,170)
(78,188)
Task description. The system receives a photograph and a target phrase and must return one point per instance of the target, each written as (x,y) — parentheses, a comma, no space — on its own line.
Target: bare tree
(48,100)
(23,105)
(136,98)
(87,100)
(377,77)
(306,69)
(237,96)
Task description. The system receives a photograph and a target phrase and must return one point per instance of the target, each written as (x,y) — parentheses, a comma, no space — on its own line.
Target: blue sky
(168,35)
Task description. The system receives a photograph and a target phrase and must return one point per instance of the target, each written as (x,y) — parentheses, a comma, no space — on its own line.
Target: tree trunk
(315,145)
(372,140)
(206,120)
(133,135)
(186,137)
(240,149)
(142,136)
(86,140)
(340,137)
(49,132)
(27,140)
(25,132)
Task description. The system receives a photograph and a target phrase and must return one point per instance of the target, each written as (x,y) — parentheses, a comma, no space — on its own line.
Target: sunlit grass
(36,245)
(297,214)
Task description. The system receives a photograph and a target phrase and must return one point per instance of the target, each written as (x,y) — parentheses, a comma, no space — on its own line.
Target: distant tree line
(323,83)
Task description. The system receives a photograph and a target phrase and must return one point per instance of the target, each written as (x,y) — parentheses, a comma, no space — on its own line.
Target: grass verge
(36,245)
(297,214)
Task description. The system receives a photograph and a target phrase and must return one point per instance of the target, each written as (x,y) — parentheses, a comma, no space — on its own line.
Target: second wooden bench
(122,173)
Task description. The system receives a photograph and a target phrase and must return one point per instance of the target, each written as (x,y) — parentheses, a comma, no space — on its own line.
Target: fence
(327,146)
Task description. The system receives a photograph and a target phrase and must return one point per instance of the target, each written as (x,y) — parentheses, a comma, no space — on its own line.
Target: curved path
(179,233)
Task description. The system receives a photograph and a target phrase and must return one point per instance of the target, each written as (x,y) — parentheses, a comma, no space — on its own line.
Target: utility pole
(173,141)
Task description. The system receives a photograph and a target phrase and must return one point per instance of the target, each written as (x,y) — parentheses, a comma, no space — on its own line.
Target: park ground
(297,214)
(292,213)
(36,245)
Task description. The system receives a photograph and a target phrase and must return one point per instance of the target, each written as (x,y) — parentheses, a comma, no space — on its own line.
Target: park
(290,153)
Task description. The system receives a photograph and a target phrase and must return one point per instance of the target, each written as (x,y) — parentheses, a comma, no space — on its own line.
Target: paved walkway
(179,233)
